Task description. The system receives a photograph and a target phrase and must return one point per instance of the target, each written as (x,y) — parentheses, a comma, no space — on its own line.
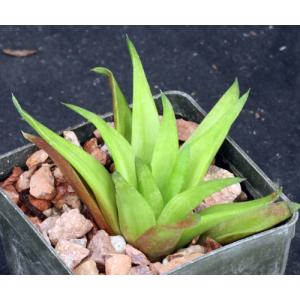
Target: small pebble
(36,159)
(42,184)
(87,267)
(119,243)
(70,136)
(118,264)
(137,257)
(72,254)
(100,247)
(70,225)
(185,129)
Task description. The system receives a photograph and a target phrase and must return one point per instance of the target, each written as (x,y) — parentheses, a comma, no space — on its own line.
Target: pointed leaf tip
(121,110)
(27,136)
(16,104)
(145,119)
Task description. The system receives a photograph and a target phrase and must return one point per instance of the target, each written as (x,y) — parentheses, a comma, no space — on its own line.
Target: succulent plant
(157,183)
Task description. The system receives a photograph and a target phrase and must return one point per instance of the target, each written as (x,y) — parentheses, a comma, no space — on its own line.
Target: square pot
(27,252)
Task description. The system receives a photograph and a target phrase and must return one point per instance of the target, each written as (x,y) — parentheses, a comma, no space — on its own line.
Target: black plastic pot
(265,253)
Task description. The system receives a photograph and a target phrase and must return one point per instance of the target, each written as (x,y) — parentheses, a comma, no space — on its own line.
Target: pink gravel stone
(87,267)
(118,264)
(227,195)
(58,175)
(23,182)
(36,159)
(155,268)
(174,263)
(185,252)
(46,225)
(185,129)
(191,250)
(137,257)
(72,254)
(70,225)
(70,199)
(42,183)
(140,270)
(91,146)
(100,247)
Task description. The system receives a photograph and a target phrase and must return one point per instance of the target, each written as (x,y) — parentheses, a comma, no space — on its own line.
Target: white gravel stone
(119,243)
(82,242)
(70,136)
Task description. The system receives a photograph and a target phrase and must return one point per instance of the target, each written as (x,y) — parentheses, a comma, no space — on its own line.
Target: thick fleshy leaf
(135,214)
(94,174)
(145,120)
(214,215)
(178,175)
(182,204)
(251,222)
(122,112)
(162,240)
(74,180)
(148,187)
(204,150)
(166,147)
(224,104)
(118,146)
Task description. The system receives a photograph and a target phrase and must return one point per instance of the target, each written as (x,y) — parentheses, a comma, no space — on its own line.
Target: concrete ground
(201,61)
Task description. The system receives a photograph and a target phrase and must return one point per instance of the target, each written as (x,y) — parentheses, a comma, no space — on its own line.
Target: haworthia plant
(151,196)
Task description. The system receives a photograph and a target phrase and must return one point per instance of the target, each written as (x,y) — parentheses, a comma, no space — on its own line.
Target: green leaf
(250,222)
(145,120)
(118,146)
(85,164)
(148,188)
(166,147)
(122,112)
(224,104)
(178,175)
(74,180)
(182,204)
(135,214)
(161,240)
(204,150)
(214,215)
